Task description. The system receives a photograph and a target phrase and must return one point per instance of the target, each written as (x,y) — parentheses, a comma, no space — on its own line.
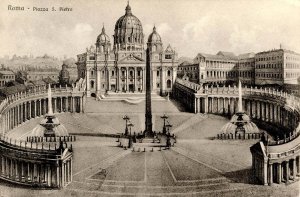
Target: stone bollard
(160,148)
(152,149)
(144,149)
(133,149)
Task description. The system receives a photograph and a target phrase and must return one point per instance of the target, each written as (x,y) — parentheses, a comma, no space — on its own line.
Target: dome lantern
(128,9)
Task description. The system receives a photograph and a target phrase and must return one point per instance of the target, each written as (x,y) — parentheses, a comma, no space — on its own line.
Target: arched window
(157,73)
(169,73)
(112,73)
(92,73)
(169,83)
(154,47)
(131,73)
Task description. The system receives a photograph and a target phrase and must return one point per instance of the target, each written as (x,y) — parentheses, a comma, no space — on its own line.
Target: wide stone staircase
(132,98)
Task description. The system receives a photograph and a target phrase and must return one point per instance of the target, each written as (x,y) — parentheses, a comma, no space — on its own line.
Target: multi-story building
(6,76)
(40,75)
(277,67)
(189,71)
(122,68)
(214,69)
(246,68)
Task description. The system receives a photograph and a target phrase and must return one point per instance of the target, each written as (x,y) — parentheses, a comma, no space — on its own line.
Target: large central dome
(128,32)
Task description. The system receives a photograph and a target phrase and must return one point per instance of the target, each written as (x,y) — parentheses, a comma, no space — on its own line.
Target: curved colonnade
(276,160)
(40,164)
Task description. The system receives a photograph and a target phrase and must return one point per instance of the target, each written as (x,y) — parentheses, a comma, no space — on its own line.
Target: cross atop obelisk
(148,112)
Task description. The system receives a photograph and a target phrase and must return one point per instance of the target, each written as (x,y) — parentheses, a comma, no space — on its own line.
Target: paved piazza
(197,165)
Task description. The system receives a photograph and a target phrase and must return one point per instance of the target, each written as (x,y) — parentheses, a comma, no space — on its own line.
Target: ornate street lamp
(168,126)
(130,125)
(126,118)
(164,117)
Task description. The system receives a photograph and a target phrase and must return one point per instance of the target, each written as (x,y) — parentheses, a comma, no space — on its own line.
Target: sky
(190,26)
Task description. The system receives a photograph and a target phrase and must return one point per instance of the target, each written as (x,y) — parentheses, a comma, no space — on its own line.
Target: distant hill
(19,63)
(185,59)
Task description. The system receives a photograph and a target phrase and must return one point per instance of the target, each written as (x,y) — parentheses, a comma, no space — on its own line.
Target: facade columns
(54,106)
(163,80)
(88,83)
(98,81)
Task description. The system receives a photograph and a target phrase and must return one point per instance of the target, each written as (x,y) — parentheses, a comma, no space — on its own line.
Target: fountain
(50,125)
(240,123)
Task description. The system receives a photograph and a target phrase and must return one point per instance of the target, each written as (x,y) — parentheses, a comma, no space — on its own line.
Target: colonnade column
(135,78)
(287,171)
(67,104)
(271,173)
(126,81)
(294,168)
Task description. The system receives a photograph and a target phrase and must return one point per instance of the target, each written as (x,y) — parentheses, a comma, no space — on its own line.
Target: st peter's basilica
(120,67)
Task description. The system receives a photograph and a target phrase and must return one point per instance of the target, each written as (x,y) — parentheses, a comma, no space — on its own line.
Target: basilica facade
(120,66)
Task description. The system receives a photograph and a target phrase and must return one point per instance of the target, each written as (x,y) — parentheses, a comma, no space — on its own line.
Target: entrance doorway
(113,87)
(131,88)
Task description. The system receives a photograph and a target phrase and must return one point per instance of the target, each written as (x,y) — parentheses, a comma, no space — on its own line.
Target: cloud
(82,28)
(163,29)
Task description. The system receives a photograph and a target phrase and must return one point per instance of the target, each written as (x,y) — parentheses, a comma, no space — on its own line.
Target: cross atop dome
(103,29)
(128,9)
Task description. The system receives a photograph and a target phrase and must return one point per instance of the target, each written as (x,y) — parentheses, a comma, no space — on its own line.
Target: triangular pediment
(131,58)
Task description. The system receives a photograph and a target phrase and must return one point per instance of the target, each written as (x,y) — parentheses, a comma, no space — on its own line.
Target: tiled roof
(217,57)
(7,72)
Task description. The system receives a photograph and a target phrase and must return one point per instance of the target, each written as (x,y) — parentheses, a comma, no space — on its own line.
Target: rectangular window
(168,56)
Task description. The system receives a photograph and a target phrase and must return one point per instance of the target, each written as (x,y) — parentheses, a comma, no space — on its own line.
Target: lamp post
(126,118)
(168,126)
(130,125)
(164,117)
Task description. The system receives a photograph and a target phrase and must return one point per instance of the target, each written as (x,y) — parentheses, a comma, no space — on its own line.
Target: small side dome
(154,37)
(103,37)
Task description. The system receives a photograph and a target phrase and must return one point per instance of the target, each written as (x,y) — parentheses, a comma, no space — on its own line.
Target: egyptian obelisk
(148,112)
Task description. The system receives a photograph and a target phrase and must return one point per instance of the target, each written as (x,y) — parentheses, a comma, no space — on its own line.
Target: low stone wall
(51,139)
(233,136)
